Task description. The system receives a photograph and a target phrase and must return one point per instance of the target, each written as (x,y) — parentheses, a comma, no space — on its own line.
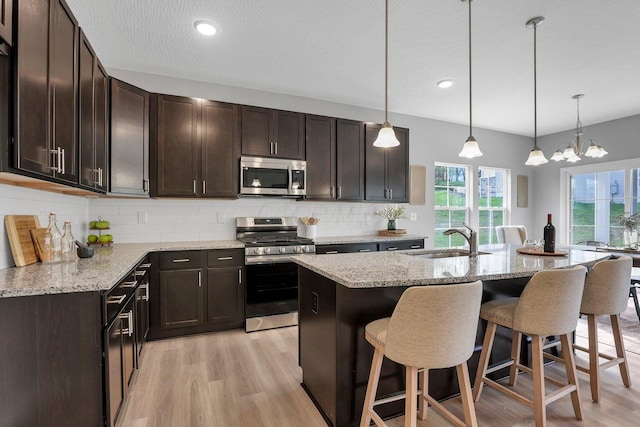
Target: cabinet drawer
(117,297)
(401,245)
(225,257)
(346,248)
(180,260)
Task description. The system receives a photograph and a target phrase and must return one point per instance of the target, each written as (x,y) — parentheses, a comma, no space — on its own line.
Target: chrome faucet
(471,237)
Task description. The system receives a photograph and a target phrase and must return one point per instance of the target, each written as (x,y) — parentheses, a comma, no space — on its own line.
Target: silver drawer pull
(331,252)
(364,250)
(140,272)
(146,265)
(416,246)
(116,299)
(182,260)
(131,284)
(225,258)
(392,248)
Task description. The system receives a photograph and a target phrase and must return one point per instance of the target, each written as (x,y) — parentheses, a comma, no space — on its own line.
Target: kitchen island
(340,294)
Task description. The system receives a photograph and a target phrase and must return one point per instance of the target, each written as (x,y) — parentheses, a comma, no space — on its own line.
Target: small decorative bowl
(86,252)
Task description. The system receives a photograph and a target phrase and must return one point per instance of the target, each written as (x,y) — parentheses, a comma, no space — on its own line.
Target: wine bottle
(549,236)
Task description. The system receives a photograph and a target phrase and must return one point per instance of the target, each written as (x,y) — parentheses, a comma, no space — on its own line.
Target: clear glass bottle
(52,241)
(68,243)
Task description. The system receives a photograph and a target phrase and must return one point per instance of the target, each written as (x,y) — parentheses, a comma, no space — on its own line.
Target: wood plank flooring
(239,379)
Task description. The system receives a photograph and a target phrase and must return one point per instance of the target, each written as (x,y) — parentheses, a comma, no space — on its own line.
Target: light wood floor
(238,379)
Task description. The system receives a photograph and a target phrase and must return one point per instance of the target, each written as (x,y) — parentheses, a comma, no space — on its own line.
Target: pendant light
(574,150)
(386,137)
(470,148)
(536,156)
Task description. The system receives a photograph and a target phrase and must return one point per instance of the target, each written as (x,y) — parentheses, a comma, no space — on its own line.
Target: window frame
(506,201)
(469,200)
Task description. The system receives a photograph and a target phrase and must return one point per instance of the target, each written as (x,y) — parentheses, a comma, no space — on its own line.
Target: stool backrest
(434,326)
(550,302)
(606,290)
(511,233)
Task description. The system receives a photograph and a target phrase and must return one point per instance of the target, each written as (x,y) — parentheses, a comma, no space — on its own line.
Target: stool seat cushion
(499,311)
(376,332)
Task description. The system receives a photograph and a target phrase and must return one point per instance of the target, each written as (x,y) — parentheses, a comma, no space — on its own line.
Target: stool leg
(516,342)
(633,292)
(411,401)
(423,405)
(572,374)
(537,365)
(594,362)
(487,344)
(372,387)
(617,336)
(464,383)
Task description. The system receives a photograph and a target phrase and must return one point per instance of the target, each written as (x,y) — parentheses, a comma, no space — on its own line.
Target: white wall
(25,201)
(621,138)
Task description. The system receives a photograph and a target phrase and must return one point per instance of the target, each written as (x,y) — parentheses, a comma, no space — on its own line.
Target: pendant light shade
(470,149)
(386,137)
(536,156)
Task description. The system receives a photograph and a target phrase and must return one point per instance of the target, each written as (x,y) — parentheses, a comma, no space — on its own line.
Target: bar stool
(548,306)
(431,327)
(633,290)
(605,293)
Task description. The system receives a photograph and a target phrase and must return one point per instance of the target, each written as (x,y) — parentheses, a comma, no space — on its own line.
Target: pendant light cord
(470,91)
(386,58)
(535,87)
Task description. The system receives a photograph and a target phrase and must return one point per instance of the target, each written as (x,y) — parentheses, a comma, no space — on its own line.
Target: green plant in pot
(391,213)
(629,225)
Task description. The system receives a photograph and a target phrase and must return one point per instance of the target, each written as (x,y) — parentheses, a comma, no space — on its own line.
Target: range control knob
(305,249)
(257,251)
(282,249)
(298,249)
(267,250)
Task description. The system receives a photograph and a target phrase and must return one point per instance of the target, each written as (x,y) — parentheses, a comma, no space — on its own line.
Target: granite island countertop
(411,268)
(101,272)
(337,240)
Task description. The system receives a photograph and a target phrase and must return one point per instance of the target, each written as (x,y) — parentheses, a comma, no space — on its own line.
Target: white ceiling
(334,50)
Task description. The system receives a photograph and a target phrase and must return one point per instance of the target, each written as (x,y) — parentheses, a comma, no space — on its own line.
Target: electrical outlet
(221,217)
(142,217)
(413,216)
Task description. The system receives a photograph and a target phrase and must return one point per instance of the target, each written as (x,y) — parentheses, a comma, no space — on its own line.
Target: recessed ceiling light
(205,27)
(443,84)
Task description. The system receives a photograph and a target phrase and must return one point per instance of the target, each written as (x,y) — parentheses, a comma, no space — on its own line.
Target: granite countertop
(401,268)
(107,267)
(335,240)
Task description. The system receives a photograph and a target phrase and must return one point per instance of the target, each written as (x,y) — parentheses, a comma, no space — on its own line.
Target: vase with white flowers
(629,225)
(391,213)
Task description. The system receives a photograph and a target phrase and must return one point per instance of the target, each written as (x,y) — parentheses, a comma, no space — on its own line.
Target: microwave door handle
(290,172)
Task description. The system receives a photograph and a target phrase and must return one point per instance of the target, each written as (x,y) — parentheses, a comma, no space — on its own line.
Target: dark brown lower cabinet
(181,299)
(114,382)
(225,302)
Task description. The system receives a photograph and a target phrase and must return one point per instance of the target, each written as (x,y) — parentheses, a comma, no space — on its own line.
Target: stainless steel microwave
(273,177)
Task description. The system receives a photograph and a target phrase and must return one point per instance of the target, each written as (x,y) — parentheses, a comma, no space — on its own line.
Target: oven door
(271,289)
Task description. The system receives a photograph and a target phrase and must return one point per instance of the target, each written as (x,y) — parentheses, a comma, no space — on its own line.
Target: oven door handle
(267,259)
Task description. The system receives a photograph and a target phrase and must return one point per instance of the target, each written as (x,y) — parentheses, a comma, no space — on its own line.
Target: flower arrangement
(628,222)
(391,212)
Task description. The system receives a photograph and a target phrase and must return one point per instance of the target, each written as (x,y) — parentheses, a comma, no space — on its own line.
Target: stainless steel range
(271,295)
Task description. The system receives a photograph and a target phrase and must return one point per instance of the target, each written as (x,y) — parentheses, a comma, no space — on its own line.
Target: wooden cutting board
(19,232)
(37,235)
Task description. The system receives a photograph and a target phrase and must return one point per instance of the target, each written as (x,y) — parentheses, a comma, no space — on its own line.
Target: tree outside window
(451,202)
(492,203)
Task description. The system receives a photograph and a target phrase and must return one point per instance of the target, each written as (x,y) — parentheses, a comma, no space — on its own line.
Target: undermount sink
(445,254)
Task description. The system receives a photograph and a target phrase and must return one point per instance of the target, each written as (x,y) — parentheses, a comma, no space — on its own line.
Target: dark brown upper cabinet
(46,90)
(335,158)
(6,22)
(129,150)
(387,169)
(93,118)
(272,133)
(195,147)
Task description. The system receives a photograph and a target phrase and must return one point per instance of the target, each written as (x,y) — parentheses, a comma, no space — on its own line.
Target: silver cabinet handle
(271,147)
(145,185)
(97,173)
(392,248)
(340,192)
(194,186)
(131,284)
(58,156)
(181,260)
(145,297)
(225,258)
(331,191)
(116,299)
(391,193)
(364,250)
(145,265)
(204,187)
(63,163)
(276,144)
(129,317)
(416,246)
(199,279)
(240,276)
(100,169)
(140,272)
(331,252)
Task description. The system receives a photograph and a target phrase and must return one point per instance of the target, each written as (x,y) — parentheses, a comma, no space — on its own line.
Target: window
(597,198)
(451,202)
(492,203)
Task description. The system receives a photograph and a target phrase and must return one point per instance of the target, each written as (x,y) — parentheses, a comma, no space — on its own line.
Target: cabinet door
(32,91)
(6,21)
(289,139)
(321,148)
(375,188)
(225,296)
(63,48)
(398,168)
(176,145)
(181,299)
(257,131)
(101,125)
(86,110)
(113,371)
(128,317)
(350,160)
(220,149)
(129,173)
